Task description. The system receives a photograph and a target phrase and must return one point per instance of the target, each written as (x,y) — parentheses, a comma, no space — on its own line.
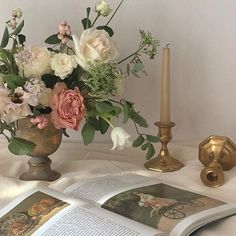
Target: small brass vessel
(217,154)
(47,140)
(164,162)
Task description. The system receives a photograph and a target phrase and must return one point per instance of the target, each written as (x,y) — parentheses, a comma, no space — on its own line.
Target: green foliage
(88,132)
(86,22)
(137,118)
(108,29)
(139,141)
(103,80)
(18,28)
(103,125)
(19,146)
(13,81)
(150,151)
(50,80)
(53,39)
(5,38)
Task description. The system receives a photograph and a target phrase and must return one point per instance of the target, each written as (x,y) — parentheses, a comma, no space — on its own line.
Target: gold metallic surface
(47,140)
(217,153)
(164,162)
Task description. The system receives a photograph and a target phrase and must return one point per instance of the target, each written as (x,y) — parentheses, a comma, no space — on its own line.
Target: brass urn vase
(47,141)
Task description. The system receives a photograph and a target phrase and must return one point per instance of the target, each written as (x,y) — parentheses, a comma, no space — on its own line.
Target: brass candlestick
(164,162)
(217,154)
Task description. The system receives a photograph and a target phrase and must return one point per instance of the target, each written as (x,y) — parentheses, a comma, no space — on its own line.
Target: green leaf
(127,111)
(50,80)
(107,29)
(20,146)
(103,125)
(137,67)
(86,23)
(144,146)
(18,28)
(152,138)
(21,38)
(53,39)
(13,81)
(103,107)
(94,122)
(88,9)
(150,151)
(139,141)
(138,119)
(5,38)
(88,132)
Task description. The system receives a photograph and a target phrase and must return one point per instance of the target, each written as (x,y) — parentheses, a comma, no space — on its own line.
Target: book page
(94,221)
(152,203)
(98,190)
(47,212)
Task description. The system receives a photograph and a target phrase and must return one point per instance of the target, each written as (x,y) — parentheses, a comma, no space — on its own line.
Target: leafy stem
(133,54)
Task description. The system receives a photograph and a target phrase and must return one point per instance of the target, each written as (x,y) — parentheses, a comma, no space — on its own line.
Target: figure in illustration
(156,203)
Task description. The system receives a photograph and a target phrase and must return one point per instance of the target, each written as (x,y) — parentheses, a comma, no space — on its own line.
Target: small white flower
(12,23)
(103,8)
(63,64)
(120,138)
(17,13)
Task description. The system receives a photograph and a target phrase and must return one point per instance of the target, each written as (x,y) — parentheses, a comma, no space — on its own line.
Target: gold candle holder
(164,162)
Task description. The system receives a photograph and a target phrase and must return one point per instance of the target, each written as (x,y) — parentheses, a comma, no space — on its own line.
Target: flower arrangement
(73,79)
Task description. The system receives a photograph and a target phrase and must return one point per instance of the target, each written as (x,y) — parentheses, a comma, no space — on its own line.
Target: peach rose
(67,107)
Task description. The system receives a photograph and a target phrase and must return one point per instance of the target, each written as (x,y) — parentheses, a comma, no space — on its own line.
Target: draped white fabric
(76,162)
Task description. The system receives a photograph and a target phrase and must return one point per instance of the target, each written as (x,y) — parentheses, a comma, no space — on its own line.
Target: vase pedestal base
(40,169)
(160,164)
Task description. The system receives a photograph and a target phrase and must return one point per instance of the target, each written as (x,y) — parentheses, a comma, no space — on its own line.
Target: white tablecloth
(76,162)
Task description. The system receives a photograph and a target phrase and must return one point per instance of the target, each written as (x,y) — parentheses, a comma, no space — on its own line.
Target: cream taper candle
(165,87)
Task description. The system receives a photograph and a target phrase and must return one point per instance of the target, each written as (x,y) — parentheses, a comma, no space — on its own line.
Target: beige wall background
(202,35)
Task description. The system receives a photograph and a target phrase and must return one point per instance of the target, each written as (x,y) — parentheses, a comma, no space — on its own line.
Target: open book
(117,205)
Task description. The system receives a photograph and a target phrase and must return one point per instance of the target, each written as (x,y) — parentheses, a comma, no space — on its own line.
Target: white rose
(120,138)
(103,8)
(33,62)
(94,46)
(63,64)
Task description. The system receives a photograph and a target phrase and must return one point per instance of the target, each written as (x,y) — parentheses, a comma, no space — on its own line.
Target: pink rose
(67,107)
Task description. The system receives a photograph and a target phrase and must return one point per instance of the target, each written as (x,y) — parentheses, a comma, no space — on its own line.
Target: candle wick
(167,45)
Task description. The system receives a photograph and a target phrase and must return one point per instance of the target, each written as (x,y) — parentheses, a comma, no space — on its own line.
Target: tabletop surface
(76,162)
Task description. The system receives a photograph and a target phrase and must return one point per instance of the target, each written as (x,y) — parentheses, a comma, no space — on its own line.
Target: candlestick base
(164,162)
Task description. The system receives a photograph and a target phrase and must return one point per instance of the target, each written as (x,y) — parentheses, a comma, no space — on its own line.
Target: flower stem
(95,19)
(114,12)
(108,121)
(131,55)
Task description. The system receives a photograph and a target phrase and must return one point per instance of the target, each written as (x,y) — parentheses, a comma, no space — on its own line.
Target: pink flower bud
(63,23)
(67,27)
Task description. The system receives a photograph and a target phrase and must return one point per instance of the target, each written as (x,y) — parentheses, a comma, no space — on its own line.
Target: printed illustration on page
(160,206)
(30,214)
